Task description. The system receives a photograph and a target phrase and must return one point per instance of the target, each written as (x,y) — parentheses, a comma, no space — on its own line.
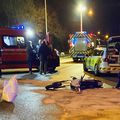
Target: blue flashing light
(77,32)
(74,41)
(83,32)
(19,27)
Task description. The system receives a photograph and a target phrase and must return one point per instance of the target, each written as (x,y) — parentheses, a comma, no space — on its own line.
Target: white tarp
(10,89)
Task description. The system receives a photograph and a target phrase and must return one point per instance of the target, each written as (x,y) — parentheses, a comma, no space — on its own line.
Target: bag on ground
(10,89)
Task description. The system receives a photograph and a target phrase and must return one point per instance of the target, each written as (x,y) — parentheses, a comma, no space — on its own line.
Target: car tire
(96,70)
(84,67)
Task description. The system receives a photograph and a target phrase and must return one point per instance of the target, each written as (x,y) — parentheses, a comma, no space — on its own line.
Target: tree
(32,13)
(19,11)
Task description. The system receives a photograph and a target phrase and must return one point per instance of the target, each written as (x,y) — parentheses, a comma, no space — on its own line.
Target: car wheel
(96,70)
(84,67)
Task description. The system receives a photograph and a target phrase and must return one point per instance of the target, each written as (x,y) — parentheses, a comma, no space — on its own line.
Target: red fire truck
(12,48)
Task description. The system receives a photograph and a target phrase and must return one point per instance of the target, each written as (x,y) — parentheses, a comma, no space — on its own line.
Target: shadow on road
(17,72)
(71,62)
(105,76)
(6,107)
(28,76)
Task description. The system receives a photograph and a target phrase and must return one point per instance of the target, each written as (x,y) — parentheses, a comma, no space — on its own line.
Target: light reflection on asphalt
(28,106)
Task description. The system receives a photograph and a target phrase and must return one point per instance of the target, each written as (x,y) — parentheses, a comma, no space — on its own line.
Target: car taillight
(106,60)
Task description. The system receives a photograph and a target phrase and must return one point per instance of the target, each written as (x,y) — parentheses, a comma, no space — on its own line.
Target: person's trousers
(43,66)
(0,73)
(30,66)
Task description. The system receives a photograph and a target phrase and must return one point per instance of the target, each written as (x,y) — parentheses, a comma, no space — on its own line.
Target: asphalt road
(29,106)
(66,69)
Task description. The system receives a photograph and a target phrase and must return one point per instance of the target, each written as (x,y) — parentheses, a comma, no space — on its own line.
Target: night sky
(106,16)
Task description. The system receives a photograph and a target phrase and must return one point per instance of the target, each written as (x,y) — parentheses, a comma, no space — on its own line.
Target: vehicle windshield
(113,42)
(97,52)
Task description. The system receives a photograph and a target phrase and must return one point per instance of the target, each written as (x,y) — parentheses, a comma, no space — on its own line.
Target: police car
(103,60)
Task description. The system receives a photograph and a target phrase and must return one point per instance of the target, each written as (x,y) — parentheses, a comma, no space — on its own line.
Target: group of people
(40,55)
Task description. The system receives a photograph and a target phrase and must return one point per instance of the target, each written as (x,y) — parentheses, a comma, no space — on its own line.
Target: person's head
(29,43)
(44,43)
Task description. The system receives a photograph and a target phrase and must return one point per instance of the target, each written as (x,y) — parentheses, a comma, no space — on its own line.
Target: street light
(46,25)
(90,12)
(98,33)
(81,8)
(106,36)
(46,29)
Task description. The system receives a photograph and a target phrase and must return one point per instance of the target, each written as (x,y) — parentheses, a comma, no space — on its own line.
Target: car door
(95,59)
(87,60)
(21,58)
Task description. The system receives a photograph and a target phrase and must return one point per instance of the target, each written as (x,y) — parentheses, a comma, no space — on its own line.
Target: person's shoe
(30,73)
(45,73)
(40,73)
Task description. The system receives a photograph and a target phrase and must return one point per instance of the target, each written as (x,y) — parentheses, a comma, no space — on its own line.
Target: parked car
(102,60)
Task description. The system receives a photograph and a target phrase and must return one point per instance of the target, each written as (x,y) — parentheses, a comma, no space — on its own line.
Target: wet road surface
(28,106)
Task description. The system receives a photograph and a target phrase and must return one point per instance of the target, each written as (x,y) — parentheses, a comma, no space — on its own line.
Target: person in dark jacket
(43,57)
(30,55)
(53,60)
(0,68)
(0,73)
(118,83)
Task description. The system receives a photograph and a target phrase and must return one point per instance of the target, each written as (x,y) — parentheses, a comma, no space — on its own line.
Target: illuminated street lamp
(106,36)
(46,28)
(98,33)
(46,25)
(90,12)
(81,8)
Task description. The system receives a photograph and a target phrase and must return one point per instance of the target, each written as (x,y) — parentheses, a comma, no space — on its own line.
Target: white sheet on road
(10,89)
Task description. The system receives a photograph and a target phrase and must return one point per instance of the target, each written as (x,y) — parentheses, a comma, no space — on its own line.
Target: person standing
(43,57)
(118,82)
(38,45)
(0,69)
(0,73)
(0,63)
(30,55)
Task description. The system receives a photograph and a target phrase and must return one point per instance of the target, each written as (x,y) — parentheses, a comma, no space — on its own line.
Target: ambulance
(80,43)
